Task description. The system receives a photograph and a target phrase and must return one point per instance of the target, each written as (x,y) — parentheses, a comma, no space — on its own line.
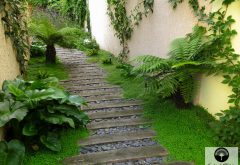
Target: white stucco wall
(154,34)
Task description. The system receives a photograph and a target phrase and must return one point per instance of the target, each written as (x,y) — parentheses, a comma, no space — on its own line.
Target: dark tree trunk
(179,101)
(50,54)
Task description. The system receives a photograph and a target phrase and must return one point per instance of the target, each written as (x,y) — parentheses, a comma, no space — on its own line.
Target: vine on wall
(227,63)
(123,23)
(15,26)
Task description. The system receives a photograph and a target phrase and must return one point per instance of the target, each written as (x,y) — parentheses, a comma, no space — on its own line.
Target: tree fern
(177,73)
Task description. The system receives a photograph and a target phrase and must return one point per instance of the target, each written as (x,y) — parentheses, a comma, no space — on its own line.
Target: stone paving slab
(113,105)
(111,114)
(117,137)
(117,123)
(116,156)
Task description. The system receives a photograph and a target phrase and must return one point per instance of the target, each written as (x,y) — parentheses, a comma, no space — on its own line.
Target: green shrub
(37,49)
(107,61)
(92,52)
(227,129)
(126,69)
(34,111)
(91,44)
(11,153)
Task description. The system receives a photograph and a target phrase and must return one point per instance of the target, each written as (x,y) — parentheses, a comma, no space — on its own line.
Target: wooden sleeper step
(120,137)
(115,156)
(112,114)
(117,123)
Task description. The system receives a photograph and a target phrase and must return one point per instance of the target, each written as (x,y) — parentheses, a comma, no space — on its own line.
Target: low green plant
(91,44)
(227,129)
(34,111)
(92,52)
(107,61)
(126,69)
(37,49)
(12,153)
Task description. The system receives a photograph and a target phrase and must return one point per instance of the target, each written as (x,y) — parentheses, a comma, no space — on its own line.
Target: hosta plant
(34,111)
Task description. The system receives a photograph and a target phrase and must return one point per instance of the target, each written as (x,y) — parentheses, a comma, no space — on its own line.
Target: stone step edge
(114,105)
(115,156)
(119,137)
(117,123)
(112,114)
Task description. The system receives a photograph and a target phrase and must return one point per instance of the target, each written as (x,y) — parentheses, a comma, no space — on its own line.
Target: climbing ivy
(123,23)
(219,26)
(15,26)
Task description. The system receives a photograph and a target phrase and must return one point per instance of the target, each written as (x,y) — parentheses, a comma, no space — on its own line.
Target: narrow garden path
(119,135)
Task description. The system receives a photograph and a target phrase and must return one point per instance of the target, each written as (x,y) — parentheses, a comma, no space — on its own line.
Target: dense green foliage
(185,133)
(11,153)
(220,27)
(37,49)
(123,24)
(177,74)
(32,111)
(15,26)
(77,39)
(75,10)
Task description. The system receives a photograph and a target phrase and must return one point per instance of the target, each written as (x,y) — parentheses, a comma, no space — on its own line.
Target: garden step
(101,94)
(177,163)
(114,105)
(83,88)
(78,80)
(79,83)
(117,123)
(108,91)
(117,137)
(87,75)
(115,156)
(82,78)
(112,114)
(103,98)
(87,72)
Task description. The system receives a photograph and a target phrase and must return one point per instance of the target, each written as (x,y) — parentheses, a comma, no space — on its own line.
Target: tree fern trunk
(50,54)
(179,101)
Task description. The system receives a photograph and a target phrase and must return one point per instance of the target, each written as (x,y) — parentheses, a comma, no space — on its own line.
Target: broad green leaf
(15,91)
(15,111)
(76,100)
(57,119)
(51,142)
(70,110)
(30,129)
(11,153)
(16,152)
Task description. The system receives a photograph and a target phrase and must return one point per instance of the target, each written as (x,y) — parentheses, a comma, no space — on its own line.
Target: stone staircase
(118,133)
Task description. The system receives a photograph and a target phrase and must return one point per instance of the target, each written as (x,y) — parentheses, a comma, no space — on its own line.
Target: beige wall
(213,95)
(154,34)
(9,67)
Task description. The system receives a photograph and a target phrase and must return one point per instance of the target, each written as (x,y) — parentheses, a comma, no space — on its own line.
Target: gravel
(119,118)
(123,129)
(117,145)
(147,161)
